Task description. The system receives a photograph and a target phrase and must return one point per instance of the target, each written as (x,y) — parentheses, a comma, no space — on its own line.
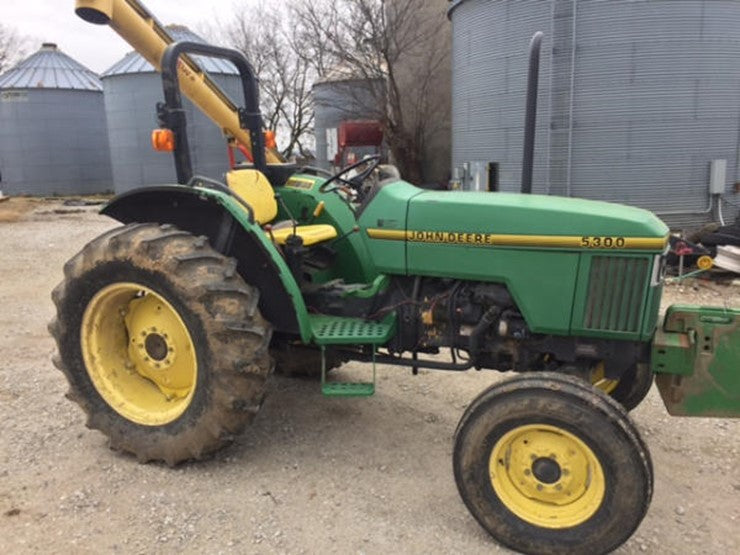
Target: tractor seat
(253,188)
(311,234)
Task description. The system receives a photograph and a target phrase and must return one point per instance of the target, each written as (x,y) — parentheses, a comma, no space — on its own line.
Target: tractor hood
(402,212)
(508,215)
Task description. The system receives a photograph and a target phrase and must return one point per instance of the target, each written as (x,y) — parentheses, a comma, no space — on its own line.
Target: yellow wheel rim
(546,476)
(139,354)
(600,381)
(705,262)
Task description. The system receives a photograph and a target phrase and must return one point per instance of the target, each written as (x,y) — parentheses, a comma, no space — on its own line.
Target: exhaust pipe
(530,118)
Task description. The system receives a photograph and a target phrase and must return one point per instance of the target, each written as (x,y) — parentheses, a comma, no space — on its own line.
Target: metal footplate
(335,330)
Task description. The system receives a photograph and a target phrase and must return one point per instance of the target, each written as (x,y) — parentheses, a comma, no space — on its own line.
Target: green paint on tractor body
(696,355)
(589,273)
(557,286)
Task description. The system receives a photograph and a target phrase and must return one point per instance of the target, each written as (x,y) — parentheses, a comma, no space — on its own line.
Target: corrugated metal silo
(132,90)
(637,98)
(340,97)
(53,137)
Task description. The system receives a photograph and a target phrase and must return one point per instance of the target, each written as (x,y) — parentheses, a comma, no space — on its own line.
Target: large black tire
(210,311)
(633,386)
(548,464)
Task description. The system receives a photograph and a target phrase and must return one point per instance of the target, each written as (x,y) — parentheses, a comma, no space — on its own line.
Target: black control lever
(342,237)
(279,198)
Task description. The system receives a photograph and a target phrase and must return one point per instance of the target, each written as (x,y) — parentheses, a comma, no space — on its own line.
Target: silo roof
(133,62)
(50,68)
(453,4)
(346,72)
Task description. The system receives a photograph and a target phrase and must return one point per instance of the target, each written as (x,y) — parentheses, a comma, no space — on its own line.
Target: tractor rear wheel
(548,464)
(161,342)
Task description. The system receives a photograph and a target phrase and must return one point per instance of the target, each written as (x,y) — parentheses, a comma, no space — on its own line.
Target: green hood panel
(507,213)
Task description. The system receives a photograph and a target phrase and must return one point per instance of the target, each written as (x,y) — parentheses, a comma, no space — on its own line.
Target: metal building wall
(130,107)
(53,142)
(490,52)
(634,113)
(336,101)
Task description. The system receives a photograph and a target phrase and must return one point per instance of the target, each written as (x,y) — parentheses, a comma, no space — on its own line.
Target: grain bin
(341,96)
(53,137)
(638,101)
(132,90)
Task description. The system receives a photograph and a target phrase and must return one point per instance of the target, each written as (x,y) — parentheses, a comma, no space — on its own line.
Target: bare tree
(263,35)
(12,47)
(394,41)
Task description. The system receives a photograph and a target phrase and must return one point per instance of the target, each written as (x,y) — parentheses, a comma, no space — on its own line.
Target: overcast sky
(98,47)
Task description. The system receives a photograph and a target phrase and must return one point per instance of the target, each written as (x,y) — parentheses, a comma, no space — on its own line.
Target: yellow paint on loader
(133,22)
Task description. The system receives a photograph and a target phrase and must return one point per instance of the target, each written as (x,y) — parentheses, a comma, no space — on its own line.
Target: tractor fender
(230,229)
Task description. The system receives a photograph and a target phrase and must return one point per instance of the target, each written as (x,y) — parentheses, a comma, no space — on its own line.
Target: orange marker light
(270,141)
(163,140)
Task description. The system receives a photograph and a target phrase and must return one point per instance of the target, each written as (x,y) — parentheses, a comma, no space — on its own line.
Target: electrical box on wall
(717,177)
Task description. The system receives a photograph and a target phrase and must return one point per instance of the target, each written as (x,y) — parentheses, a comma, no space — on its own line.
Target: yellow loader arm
(137,26)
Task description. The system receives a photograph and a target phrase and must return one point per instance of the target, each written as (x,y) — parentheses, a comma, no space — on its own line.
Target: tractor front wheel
(161,342)
(548,464)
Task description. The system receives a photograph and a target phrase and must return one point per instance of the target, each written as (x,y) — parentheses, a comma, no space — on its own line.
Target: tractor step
(337,330)
(345,389)
(348,389)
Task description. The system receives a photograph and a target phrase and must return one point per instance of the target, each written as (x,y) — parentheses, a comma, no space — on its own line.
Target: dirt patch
(15,209)
(312,474)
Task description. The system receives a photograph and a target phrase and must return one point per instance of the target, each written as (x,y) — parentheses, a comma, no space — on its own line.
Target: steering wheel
(354,183)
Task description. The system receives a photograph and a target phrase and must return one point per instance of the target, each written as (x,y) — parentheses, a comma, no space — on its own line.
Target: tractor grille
(616,290)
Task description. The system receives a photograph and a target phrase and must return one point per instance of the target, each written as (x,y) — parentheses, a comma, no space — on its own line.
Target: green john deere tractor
(168,326)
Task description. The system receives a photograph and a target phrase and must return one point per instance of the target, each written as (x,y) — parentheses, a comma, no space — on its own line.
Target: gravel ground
(312,474)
